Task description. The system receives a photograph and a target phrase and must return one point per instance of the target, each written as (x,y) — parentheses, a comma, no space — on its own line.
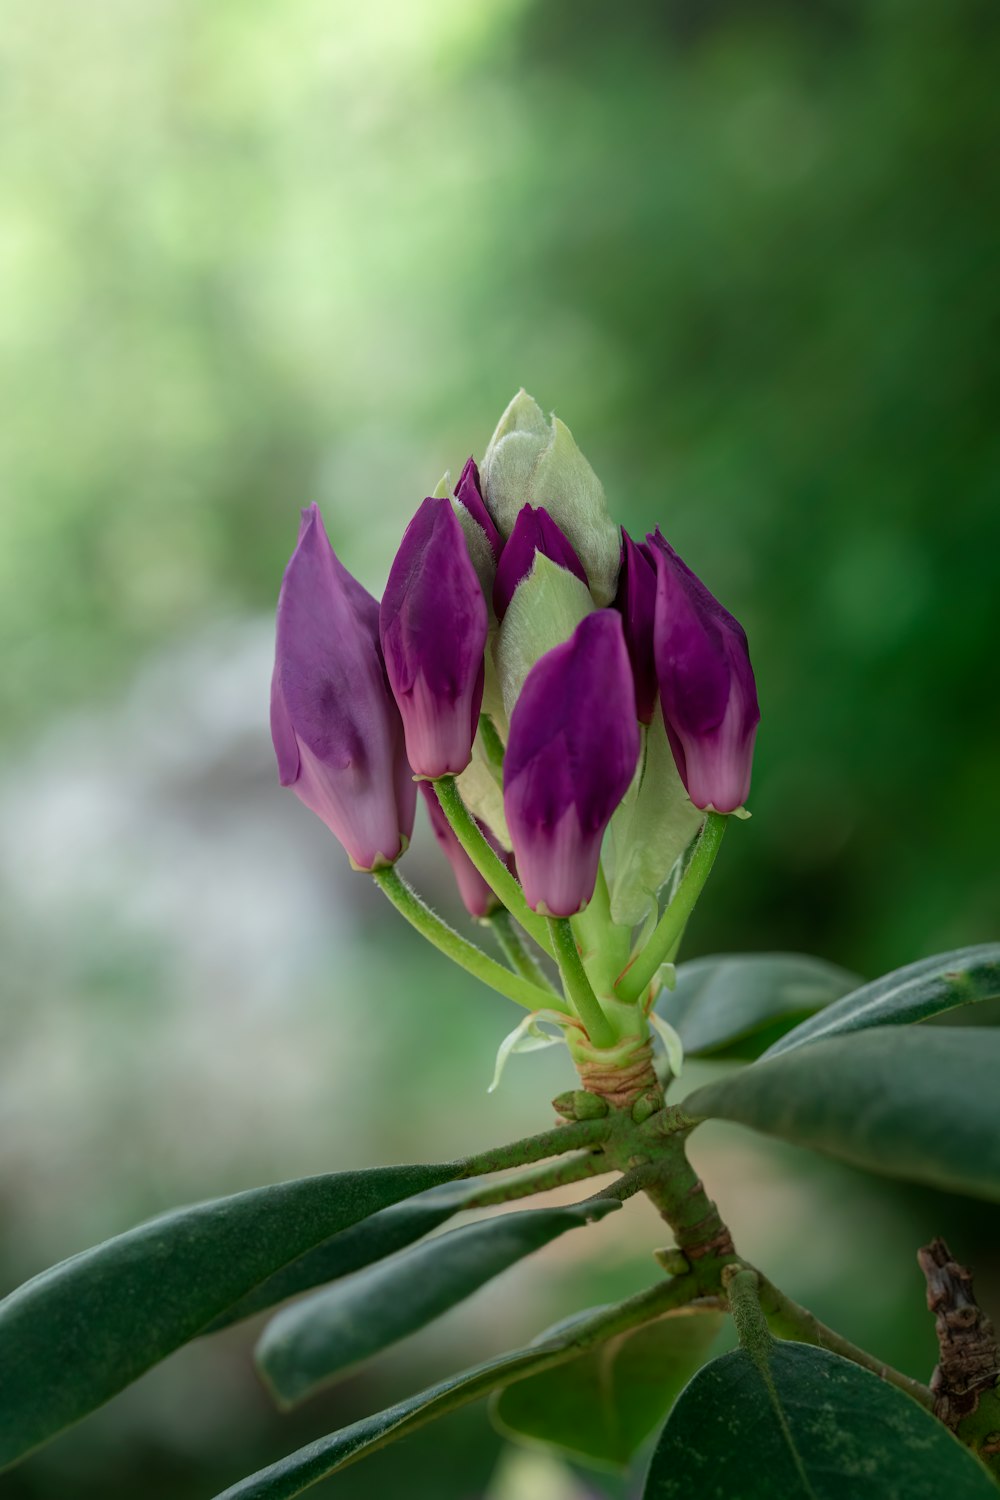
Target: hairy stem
(578,986)
(575,1136)
(575,1168)
(459,949)
(492,744)
(486,860)
(517,953)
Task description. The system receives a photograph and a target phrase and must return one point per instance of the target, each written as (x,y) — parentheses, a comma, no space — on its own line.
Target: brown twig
(969,1359)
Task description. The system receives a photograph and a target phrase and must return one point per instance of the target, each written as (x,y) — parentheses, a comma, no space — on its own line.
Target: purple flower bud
(572,751)
(636,603)
(336,730)
(479,900)
(707,686)
(433,627)
(469,492)
(534,531)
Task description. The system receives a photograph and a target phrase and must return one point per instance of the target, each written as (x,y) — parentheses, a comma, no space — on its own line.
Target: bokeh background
(254,255)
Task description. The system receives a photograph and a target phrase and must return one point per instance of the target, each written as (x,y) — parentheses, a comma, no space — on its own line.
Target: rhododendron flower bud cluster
(369,698)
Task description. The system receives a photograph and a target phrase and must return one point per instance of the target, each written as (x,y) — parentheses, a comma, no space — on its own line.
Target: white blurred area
(166,919)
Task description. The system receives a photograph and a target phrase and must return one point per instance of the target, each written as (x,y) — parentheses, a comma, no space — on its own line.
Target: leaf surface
(915,993)
(804,1424)
(363,1244)
(921,1103)
(327,1455)
(78,1333)
(722,1001)
(602,1406)
(322,1336)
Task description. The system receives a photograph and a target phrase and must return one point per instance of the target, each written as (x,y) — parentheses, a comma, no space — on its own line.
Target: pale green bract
(650,830)
(546,608)
(532,462)
(482,793)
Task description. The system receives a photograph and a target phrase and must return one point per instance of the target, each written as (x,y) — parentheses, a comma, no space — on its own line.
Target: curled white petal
(672,1044)
(528,1036)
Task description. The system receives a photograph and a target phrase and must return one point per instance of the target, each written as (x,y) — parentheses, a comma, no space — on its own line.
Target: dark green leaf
(78,1333)
(601,1406)
(921,1102)
(362,1245)
(321,1336)
(912,994)
(290,1476)
(724,1001)
(806,1425)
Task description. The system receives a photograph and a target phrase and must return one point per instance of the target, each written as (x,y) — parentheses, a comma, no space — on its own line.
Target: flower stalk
(578,987)
(449,942)
(514,949)
(488,862)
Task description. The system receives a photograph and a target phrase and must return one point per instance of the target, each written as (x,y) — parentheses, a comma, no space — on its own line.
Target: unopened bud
(578,1104)
(433,628)
(573,747)
(648,1104)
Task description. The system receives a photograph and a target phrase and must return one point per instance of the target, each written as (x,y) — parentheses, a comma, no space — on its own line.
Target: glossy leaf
(720,1004)
(806,1425)
(292,1475)
(80,1332)
(921,1103)
(322,1336)
(363,1244)
(915,993)
(602,1406)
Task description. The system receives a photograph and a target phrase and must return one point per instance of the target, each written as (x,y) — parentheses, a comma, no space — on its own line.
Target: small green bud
(648,1104)
(533,462)
(546,608)
(578,1104)
(673,1261)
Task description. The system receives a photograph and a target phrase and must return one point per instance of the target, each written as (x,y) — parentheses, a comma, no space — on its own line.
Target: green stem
(457,948)
(578,986)
(706,1246)
(603,944)
(520,957)
(679,1194)
(627,1186)
(486,860)
(670,926)
(492,743)
(579,1135)
(742,1287)
(791,1321)
(571,1169)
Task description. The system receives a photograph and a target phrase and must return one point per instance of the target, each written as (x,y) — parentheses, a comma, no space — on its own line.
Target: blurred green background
(253,255)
